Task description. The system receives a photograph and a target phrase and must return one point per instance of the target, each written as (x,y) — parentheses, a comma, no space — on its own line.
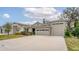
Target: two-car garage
(56,29)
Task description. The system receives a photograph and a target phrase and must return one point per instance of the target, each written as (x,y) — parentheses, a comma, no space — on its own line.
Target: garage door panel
(42,31)
(58,30)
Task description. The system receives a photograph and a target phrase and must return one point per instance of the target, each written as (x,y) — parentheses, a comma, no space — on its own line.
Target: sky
(28,15)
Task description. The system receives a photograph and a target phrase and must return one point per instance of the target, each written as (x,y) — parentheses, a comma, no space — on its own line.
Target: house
(53,28)
(1,30)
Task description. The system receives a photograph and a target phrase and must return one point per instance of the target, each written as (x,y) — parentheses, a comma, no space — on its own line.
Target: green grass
(72,43)
(3,37)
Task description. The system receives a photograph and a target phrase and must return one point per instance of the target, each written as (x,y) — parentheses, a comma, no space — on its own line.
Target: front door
(33,30)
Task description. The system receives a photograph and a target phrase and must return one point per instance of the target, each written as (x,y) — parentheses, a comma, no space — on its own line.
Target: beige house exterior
(53,28)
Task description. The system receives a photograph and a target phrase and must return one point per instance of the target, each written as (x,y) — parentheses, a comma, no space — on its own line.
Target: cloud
(40,13)
(6,15)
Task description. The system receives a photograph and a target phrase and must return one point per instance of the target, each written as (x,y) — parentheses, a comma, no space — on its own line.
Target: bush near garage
(67,33)
(23,33)
(18,33)
(76,32)
(26,33)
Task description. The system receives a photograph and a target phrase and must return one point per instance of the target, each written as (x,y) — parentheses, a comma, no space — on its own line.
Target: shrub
(76,32)
(26,33)
(18,33)
(73,31)
(23,33)
(67,33)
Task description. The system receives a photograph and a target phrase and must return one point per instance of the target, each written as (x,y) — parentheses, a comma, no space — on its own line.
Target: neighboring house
(1,30)
(53,28)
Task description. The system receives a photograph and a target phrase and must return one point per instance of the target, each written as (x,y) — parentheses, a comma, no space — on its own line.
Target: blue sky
(16,14)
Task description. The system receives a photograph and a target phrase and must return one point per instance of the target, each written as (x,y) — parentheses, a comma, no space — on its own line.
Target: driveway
(34,43)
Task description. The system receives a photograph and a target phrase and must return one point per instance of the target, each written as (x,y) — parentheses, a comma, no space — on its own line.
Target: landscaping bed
(3,37)
(72,43)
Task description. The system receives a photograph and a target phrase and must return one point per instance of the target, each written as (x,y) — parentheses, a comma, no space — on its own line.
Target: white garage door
(42,31)
(58,30)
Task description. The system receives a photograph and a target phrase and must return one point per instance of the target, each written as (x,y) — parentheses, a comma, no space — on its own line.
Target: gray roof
(38,24)
(21,24)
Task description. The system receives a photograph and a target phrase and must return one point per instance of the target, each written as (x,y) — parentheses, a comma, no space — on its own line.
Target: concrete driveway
(34,43)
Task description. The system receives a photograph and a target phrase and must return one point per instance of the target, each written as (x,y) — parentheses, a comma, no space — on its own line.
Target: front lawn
(72,43)
(3,37)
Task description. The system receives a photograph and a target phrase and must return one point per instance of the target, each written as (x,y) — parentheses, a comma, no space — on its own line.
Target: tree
(72,15)
(7,28)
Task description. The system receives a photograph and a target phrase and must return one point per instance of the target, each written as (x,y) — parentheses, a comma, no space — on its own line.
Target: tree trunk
(69,27)
(8,33)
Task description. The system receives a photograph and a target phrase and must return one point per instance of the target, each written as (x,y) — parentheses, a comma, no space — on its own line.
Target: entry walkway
(34,43)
